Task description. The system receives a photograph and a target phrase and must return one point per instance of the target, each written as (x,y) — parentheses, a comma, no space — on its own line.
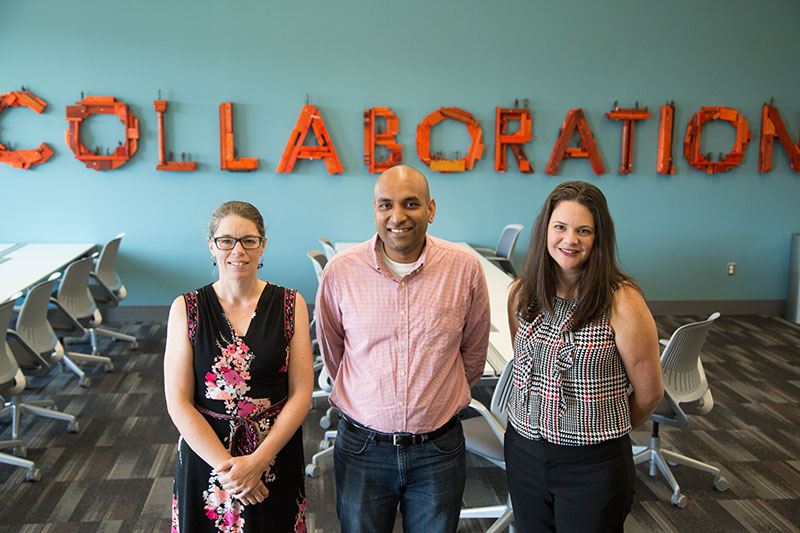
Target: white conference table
(499,282)
(23,265)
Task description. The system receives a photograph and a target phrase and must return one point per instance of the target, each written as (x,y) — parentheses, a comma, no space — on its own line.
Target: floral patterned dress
(241,384)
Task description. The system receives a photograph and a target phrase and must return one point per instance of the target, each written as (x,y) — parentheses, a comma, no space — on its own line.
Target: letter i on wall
(666,127)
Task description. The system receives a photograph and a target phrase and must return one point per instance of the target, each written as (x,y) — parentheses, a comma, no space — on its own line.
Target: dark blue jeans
(373,477)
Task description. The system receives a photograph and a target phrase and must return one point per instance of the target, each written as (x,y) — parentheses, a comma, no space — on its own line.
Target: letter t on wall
(628,118)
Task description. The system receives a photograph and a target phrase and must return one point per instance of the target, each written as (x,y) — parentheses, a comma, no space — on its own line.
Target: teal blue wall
(676,233)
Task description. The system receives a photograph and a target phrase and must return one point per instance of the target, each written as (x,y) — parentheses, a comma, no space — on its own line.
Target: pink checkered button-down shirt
(403,353)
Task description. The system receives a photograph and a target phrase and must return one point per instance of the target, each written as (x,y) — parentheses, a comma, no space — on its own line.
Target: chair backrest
(328,248)
(32,324)
(502,393)
(8,365)
(106,267)
(324,380)
(319,261)
(507,241)
(680,361)
(73,291)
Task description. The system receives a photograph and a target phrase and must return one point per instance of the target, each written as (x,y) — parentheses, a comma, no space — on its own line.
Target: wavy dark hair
(245,210)
(600,276)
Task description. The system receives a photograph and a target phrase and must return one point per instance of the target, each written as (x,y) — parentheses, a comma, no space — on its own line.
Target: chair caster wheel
(33,475)
(312,470)
(108,367)
(679,500)
(73,427)
(324,444)
(86,382)
(721,484)
(21,451)
(135,345)
(325,422)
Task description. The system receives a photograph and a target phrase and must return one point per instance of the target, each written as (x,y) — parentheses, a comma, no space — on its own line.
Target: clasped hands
(241,478)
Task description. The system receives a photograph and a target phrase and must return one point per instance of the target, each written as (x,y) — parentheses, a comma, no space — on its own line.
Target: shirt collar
(376,257)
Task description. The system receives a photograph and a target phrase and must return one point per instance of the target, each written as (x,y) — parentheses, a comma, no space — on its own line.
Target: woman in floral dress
(238,377)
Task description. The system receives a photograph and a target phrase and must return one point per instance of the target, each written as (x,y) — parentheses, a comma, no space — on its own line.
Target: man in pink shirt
(403,324)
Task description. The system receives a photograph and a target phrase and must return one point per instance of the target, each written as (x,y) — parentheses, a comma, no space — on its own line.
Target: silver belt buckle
(394,439)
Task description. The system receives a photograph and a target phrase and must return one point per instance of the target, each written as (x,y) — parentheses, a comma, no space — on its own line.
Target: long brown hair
(600,276)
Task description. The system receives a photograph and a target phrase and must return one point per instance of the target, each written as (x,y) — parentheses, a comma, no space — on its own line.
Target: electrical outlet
(731,269)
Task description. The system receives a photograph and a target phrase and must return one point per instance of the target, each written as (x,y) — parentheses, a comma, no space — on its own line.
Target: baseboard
(137,313)
(726,307)
(160,313)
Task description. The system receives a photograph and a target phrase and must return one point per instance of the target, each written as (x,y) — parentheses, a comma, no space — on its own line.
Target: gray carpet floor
(115,474)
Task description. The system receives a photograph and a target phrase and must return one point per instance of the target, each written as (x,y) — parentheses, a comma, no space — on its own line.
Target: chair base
(69,359)
(33,473)
(660,459)
(326,449)
(503,513)
(44,408)
(116,335)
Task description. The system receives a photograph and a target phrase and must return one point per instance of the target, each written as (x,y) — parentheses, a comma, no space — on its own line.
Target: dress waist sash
(245,431)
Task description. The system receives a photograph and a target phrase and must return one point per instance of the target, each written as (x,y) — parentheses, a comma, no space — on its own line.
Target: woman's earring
(213,261)
(260,262)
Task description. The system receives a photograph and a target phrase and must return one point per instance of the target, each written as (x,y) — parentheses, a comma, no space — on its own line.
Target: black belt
(401,439)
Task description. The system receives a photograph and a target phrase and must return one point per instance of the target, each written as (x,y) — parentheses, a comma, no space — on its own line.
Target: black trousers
(569,488)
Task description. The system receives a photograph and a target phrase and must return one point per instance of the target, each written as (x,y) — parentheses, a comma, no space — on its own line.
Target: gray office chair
(33,341)
(319,260)
(328,248)
(12,382)
(107,289)
(484,436)
(74,314)
(35,348)
(686,391)
(326,444)
(503,253)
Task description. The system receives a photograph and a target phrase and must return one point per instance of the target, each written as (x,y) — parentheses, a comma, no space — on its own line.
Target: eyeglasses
(248,242)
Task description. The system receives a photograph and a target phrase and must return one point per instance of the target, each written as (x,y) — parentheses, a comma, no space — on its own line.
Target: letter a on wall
(310,117)
(23,158)
(575,119)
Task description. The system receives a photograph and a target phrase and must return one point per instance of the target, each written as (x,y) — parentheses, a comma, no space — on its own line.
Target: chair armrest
(677,418)
(30,353)
(497,427)
(103,287)
(484,251)
(76,324)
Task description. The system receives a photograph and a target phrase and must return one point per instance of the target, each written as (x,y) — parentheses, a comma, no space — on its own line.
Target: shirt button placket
(403,357)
